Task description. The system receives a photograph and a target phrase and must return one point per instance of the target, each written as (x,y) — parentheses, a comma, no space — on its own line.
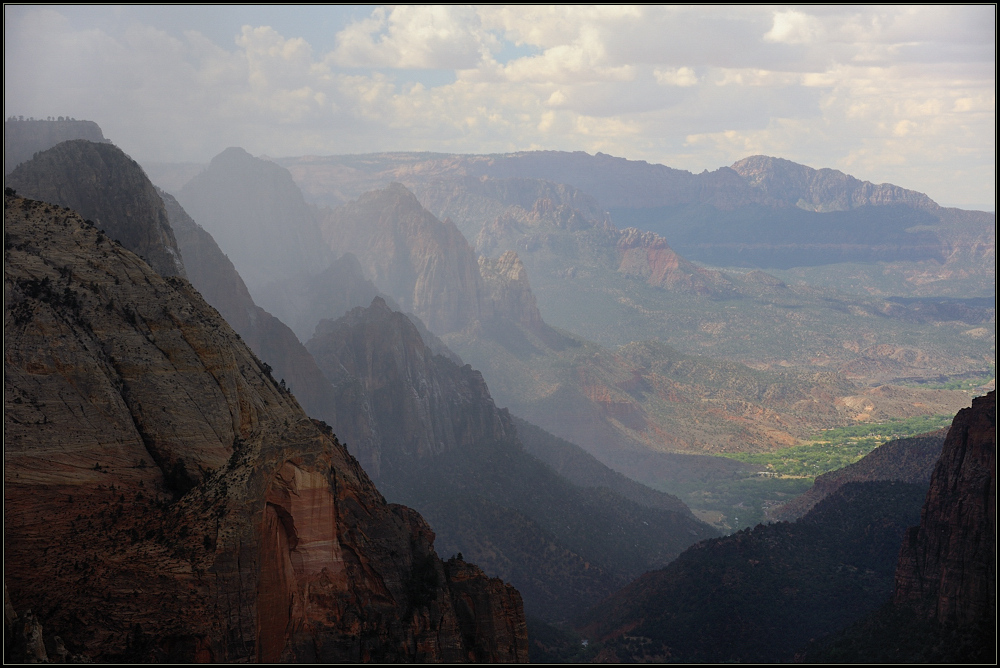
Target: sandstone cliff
(422,405)
(22,139)
(430,434)
(947,567)
(258,216)
(790,183)
(214,276)
(104,185)
(167,500)
(943,609)
(425,264)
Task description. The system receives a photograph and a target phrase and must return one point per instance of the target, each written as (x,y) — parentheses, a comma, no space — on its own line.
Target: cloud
(900,94)
(794,27)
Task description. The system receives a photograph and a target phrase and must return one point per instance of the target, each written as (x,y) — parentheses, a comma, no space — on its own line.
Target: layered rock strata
(167,500)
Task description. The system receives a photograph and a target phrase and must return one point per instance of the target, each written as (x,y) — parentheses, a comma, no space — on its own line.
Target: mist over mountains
(417,318)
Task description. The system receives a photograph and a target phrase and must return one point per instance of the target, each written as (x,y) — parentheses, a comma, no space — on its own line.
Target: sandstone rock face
(647,255)
(507,282)
(215,277)
(165,499)
(909,460)
(426,265)
(103,184)
(22,139)
(428,431)
(947,567)
(257,214)
(793,184)
(415,404)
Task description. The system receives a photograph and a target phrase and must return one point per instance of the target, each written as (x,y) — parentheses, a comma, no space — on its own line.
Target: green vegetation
(836,448)
(738,503)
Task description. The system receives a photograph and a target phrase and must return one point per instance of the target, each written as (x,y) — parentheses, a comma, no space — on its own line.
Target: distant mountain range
(365,316)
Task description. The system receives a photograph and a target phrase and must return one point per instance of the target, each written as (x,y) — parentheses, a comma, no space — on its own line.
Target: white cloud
(902,94)
(678,76)
(794,27)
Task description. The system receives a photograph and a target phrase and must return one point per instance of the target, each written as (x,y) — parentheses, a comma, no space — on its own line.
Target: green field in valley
(833,449)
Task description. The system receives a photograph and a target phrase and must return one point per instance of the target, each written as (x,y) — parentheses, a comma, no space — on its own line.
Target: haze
(890,94)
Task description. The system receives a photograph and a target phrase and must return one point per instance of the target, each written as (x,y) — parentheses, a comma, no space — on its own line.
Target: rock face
(944,606)
(420,404)
(167,500)
(793,184)
(426,265)
(257,214)
(104,185)
(906,460)
(507,282)
(947,568)
(22,139)
(428,431)
(215,277)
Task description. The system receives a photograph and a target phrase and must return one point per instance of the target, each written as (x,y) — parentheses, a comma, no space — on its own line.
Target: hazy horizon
(903,95)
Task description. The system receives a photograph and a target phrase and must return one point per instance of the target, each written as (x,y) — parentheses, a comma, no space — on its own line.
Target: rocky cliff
(943,609)
(429,432)
(790,183)
(506,279)
(425,264)
(106,186)
(167,500)
(214,276)
(947,567)
(22,139)
(420,404)
(258,216)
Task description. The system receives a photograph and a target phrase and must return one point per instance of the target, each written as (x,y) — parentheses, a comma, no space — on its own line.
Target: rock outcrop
(425,264)
(947,567)
(22,139)
(506,279)
(943,609)
(420,404)
(106,186)
(259,218)
(214,276)
(167,500)
(429,432)
(790,183)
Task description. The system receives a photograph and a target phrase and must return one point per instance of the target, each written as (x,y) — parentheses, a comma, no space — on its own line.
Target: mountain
(425,264)
(22,139)
(760,594)
(944,605)
(909,460)
(821,189)
(215,277)
(166,499)
(257,214)
(104,185)
(432,437)
(836,305)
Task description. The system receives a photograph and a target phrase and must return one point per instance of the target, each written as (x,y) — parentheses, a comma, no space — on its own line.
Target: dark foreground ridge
(166,499)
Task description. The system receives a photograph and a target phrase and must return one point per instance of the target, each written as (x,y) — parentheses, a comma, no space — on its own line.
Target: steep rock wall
(165,499)
(947,567)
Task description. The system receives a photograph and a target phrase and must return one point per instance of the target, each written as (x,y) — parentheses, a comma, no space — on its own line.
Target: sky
(894,94)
